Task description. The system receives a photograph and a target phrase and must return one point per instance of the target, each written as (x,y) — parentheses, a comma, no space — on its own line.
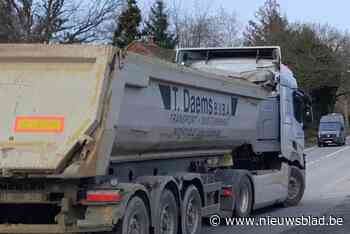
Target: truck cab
(283,116)
(283,130)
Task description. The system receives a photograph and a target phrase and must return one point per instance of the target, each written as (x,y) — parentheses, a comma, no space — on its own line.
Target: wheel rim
(167,223)
(135,224)
(293,188)
(192,216)
(244,199)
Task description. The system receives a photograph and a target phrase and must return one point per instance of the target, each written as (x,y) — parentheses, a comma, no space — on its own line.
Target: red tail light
(227,192)
(103,196)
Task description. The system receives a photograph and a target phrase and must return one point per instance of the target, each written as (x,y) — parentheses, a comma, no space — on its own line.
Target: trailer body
(90,134)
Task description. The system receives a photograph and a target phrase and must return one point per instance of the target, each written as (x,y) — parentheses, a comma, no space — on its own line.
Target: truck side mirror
(308,116)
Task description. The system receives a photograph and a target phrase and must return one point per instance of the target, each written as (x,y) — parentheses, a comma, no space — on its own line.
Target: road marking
(328,156)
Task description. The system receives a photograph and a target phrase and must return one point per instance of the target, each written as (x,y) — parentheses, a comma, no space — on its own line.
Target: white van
(332,130)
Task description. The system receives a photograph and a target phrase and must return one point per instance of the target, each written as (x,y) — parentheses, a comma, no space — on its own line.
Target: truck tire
(244,200)
(136,218)
(296,187)
(167,214)
(191,211)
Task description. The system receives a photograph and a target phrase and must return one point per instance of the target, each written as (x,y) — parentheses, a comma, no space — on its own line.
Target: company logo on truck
(188,100)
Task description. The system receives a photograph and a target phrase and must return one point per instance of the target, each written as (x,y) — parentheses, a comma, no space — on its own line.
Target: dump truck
(96,140)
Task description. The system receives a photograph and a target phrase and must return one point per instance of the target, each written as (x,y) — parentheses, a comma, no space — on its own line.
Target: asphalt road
(327,194)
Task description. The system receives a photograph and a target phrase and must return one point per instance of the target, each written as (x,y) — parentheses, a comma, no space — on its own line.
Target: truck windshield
(329,126)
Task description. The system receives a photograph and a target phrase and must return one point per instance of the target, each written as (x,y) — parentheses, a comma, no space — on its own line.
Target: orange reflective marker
(44,124)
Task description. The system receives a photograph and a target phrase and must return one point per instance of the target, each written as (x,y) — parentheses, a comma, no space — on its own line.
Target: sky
(334,12)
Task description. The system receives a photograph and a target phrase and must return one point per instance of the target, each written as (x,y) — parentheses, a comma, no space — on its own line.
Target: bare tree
(62,21)
(224,29)
(268,27)
(88,20)
(204,29)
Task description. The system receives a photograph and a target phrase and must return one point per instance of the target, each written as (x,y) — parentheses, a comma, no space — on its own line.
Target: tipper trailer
(94,140)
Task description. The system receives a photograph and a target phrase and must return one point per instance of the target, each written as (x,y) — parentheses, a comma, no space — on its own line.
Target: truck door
(298,125)
(292,115)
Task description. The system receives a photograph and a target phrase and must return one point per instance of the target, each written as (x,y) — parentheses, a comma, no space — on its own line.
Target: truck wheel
(136,218)
(167,216)
(244,200)
(296,187)
(191,211)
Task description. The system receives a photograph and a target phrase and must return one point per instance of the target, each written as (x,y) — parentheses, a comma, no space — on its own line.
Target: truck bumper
(28,206)
(96,219)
